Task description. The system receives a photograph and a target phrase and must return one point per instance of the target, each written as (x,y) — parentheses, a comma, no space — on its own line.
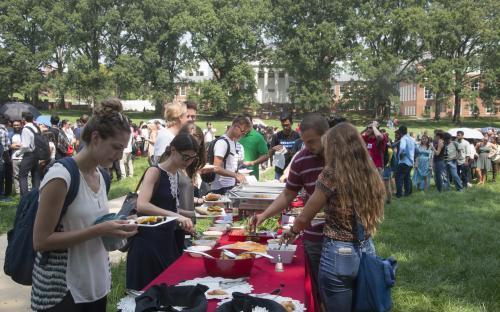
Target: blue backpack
(20,255)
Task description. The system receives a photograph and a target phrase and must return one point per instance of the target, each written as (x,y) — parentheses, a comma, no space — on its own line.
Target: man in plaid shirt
(5,160)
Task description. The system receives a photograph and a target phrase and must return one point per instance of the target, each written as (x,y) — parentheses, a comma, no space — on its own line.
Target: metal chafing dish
(255,196)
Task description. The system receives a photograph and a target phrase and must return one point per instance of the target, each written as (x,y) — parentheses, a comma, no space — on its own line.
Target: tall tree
(311,37)
(25,45)
(121,57)
(228,35)
(88,27)
(57,29)
(389,45)
(157,29)
(458,33)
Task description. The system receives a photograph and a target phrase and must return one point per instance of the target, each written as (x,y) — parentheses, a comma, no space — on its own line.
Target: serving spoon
(233,255)
(199,253)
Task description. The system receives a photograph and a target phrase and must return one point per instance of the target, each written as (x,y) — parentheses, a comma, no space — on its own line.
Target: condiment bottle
(279,265)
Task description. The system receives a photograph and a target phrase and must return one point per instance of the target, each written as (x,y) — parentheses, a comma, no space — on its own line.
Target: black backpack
(42,148)
(210,177)
(20,255)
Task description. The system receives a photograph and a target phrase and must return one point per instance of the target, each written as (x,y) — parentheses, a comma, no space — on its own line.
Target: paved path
(15,297)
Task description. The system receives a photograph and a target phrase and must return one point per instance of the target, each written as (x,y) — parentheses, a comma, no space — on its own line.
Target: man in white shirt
(227,171)
(176,117)
(16,159)
(209,133)
(29,163)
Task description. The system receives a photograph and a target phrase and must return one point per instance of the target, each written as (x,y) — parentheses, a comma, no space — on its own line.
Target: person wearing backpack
(29,162)
(76,275)
(225,160)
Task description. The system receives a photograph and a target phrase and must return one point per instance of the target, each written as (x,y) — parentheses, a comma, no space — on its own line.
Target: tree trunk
(456,111)
(437,110)
(456,91)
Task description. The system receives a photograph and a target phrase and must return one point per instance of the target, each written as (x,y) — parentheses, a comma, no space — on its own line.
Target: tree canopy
(92,49)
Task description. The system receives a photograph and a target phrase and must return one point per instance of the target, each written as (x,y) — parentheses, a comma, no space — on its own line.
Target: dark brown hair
(183,142)
(107,120)
(192,129)
(315,122)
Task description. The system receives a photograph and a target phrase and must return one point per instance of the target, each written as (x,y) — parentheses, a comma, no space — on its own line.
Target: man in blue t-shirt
(284,139)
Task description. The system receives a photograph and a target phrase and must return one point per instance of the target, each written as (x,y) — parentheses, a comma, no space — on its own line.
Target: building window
(281,75)
(183,90)
(190,74)
(261,74)
(428,94)
(201,73)
(341,89)
(474,85)
(270,75)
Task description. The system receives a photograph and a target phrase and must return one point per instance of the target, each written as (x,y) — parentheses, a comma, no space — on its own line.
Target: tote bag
(376,277)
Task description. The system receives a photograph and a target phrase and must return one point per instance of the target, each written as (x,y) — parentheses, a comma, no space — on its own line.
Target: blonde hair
(357,181)
(173,113)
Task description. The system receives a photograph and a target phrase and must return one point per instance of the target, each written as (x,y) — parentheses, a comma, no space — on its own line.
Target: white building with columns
(272,84)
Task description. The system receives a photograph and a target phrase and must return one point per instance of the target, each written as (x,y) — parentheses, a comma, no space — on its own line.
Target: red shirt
(376,149)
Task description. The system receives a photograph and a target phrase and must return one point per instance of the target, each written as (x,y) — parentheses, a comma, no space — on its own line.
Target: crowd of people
(448,159)
(329,163)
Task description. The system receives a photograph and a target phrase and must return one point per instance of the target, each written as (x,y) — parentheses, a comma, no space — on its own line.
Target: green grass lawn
(444,243)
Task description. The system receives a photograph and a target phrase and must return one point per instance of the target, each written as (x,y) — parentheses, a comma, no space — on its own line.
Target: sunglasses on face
(186,157)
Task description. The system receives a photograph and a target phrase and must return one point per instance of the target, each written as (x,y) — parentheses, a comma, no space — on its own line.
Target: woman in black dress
(153,249)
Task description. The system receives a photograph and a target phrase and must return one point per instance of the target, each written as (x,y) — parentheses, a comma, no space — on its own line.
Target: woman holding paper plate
(350,189)
(153,249)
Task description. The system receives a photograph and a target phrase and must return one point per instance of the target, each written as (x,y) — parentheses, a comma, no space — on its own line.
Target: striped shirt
(304,172)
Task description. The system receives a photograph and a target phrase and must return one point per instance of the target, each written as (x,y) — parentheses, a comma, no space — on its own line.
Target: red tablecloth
(263,277)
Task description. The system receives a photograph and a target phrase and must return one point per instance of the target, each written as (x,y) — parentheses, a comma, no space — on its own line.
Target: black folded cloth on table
(245,303)
(163,298)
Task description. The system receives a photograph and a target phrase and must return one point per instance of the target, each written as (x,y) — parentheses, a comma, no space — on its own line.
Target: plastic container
(286,254)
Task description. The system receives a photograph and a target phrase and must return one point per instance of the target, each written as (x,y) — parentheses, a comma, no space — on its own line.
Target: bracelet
(293,232)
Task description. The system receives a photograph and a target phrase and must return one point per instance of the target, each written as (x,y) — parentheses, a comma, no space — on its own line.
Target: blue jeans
(463,172)
(439,175)
(451,167)
(338,270)
(403,179)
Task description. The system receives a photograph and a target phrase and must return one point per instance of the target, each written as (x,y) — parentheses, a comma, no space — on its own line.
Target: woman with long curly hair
(350,189)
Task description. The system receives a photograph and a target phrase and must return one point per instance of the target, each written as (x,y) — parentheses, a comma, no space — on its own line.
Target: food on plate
(151,220)
(217,292)
(262,196)
(248,246)
(212,197)
(215,209)
(288,305)
(211,210)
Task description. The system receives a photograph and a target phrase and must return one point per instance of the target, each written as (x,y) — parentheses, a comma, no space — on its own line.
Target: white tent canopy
(468,133)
